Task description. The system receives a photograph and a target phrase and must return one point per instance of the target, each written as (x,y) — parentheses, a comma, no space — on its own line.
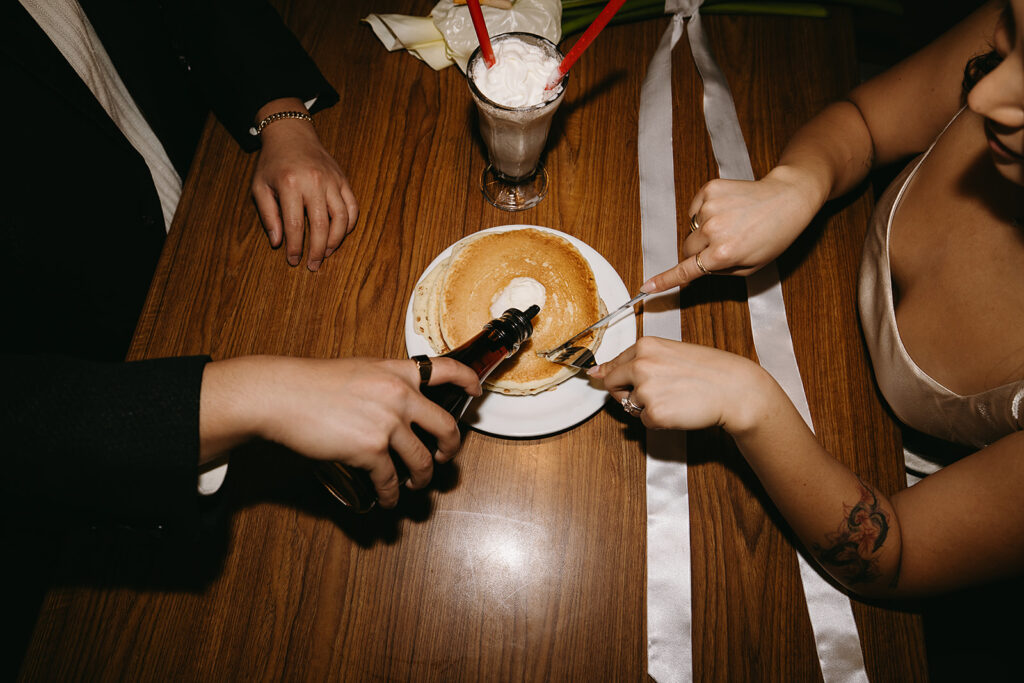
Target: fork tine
(603,322)
(574,356)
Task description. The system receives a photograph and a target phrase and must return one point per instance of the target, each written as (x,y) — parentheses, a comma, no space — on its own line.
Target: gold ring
(425,367)
(629,406)
(694,225)
(701,266)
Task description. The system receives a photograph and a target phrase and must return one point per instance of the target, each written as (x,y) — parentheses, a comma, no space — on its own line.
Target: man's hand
(295,179)
(349,410)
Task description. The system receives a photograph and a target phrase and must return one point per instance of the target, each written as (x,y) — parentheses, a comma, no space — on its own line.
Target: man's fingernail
(293,260)
(314,266)
(647,287)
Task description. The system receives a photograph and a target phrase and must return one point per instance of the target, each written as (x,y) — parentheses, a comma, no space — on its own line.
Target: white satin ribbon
(668,506)
(669,598)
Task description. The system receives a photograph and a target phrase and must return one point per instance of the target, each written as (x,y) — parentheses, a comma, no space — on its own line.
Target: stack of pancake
(491,271)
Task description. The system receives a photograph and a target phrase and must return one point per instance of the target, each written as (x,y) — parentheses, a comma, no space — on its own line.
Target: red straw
(585,40)
(481,32)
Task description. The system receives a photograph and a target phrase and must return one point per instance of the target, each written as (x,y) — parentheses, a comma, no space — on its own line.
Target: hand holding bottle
(499,339)
(353,411)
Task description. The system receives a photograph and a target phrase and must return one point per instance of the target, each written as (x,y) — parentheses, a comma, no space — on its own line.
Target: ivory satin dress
(917,399)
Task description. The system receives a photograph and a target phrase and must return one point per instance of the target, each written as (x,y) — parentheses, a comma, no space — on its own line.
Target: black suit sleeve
(243,56)
(107,442)
(182,58)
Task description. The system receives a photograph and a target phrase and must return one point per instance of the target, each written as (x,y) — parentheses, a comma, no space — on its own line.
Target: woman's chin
(1011,169)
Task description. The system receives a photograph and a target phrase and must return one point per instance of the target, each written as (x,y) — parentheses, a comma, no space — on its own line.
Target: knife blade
(580,356)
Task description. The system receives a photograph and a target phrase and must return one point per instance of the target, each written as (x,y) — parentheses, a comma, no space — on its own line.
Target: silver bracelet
(282,115)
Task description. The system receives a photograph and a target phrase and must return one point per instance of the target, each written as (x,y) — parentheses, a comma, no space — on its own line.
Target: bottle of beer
(498,340)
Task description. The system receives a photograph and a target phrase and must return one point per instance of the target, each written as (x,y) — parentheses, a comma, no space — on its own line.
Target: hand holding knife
(580,356)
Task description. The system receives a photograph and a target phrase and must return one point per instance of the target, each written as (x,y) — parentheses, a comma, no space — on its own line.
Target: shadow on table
(103,555)
(61,550)
(576,99)
(272,474)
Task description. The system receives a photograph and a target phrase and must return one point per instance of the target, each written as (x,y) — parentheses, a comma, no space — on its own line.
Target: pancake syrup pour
(499,339)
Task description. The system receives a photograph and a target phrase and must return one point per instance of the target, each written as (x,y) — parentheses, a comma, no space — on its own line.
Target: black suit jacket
(81,230)
(81,227)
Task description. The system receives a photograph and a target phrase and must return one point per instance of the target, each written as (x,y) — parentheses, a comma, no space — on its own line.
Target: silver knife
(580,356)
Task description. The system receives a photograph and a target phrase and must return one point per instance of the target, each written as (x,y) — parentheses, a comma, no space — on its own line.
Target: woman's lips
(999,148)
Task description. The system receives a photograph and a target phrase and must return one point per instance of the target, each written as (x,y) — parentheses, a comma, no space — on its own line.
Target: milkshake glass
(515,136)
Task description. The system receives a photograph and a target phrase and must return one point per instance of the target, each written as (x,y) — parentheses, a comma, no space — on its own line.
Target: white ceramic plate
(572,401)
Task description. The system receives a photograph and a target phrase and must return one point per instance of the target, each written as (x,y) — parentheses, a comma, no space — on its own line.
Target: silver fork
(580,356)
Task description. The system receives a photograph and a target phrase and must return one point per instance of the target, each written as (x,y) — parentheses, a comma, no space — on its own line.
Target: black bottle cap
(516,323)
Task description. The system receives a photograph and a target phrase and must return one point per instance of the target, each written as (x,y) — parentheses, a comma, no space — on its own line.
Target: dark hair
(977,68)
(982,65)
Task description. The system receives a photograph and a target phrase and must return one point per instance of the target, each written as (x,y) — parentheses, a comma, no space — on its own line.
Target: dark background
(883,39)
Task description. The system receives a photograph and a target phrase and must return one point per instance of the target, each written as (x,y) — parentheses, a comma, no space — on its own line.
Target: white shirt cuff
(211,480)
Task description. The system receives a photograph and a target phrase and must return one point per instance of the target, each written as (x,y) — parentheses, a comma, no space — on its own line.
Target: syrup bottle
(498,340)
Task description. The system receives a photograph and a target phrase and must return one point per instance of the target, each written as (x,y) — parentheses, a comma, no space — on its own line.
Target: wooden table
(527,560)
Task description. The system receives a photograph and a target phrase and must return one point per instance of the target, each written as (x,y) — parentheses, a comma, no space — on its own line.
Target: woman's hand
(349,410)
(743,225)
(295,179)
(687,386)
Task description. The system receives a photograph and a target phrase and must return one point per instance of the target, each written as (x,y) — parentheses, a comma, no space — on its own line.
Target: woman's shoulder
(907,106)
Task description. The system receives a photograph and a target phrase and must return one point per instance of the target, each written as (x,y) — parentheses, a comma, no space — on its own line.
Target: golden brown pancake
(457,300)
(426,308)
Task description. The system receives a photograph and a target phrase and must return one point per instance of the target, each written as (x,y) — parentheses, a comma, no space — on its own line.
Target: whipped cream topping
(521,293)
(518,76)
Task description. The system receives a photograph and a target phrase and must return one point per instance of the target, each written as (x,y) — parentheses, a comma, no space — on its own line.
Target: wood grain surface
(525,561)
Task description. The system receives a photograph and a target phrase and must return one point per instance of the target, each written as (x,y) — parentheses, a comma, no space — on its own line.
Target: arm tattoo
(851,549)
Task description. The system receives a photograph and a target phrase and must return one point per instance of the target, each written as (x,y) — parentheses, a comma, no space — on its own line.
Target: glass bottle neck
(484,352)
